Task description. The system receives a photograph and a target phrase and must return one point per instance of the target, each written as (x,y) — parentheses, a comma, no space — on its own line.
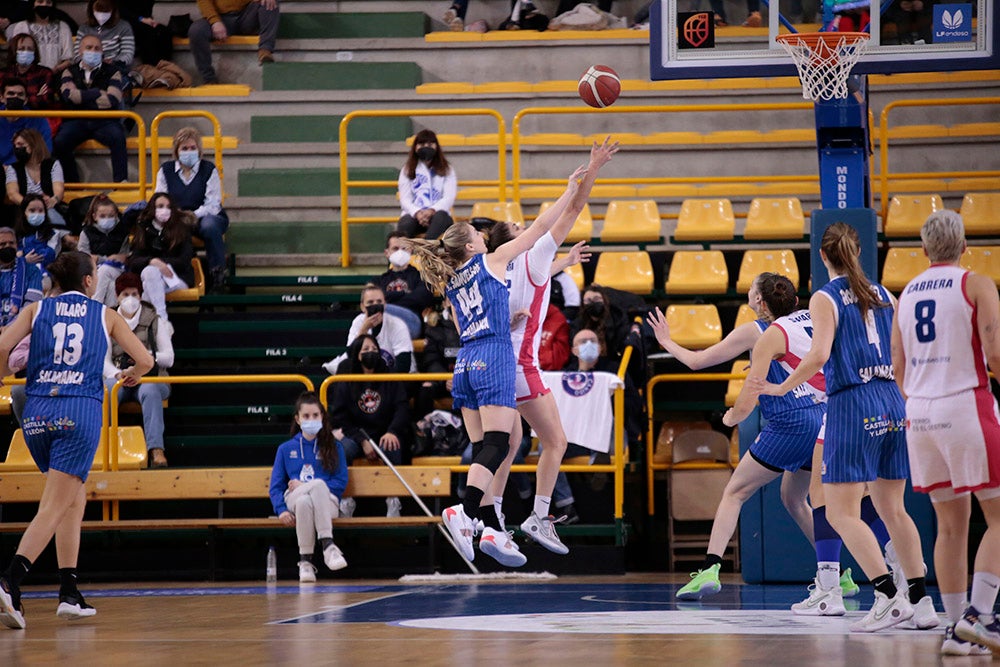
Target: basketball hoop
(824,60)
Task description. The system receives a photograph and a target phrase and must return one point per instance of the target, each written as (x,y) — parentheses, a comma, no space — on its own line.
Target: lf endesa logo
(952,23)
(695,30)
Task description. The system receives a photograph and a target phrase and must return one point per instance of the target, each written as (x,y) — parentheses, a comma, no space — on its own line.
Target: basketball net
(824,60)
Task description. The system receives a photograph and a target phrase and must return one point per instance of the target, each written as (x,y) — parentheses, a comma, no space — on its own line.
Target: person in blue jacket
(307,482)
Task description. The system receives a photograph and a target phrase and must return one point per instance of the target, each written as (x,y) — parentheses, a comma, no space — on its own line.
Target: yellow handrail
(884,144)
(110,113)
(154,141)
(345,183)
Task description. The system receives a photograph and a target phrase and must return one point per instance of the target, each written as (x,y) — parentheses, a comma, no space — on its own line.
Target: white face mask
(162,215)
(311,427)
(589,351)
(102,17)
(400,258)
(105,224)
(128,306)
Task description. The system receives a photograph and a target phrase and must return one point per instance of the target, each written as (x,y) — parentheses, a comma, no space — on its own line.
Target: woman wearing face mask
(307,482)
(116,35)
(406,295)
(598,313)
(23,64)
(194,185)
(427,188)
(36,173)
(106,237)
(161,251)
(52,33)
(37,239)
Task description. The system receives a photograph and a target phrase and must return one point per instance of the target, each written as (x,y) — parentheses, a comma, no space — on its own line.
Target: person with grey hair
(945,335)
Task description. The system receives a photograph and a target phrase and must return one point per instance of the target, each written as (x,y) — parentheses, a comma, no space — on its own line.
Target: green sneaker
(703,582)
(847,585)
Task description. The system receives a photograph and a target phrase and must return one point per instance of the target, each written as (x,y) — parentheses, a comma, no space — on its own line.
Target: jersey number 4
(923,313)
(470,300)
(69,343)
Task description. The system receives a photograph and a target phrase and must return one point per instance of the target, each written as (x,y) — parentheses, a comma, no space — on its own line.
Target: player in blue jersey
(865,440)
(62,418)
(474,282)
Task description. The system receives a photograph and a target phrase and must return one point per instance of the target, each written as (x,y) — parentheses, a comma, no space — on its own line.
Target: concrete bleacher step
(326,25)
(341,75)
(278,238)
(277,410)
(309,182)
(312,129)
(277,354)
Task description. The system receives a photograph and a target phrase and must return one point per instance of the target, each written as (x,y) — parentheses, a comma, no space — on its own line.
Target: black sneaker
(72,607)
(11,609)
(569,514)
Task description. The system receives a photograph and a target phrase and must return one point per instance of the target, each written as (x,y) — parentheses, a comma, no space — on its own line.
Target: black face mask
(595,308)
(370,359)
(43,12)
(8,255)
(22,153)
(426,154)
(374,309)
(14,103)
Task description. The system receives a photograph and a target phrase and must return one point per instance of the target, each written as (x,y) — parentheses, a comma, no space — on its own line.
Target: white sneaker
(821,602)
(74,607)
(924,617)
(461,529)
(885,613)
(347,506)
(543,531)
(307,572)
(500,546)
(392,507)
(955,645)
(979,628)
(334,558)
(11,611)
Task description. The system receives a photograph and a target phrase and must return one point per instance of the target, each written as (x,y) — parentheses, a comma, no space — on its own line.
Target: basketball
(600,86)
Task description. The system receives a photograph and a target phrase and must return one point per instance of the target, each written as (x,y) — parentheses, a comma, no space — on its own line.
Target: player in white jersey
(528,280)
(946,331)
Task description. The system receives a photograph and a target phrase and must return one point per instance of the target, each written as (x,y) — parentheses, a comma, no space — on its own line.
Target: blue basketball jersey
(797,329)
(861,348)
(481,301)
(69,341)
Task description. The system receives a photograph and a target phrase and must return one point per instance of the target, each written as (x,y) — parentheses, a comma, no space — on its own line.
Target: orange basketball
(600,86)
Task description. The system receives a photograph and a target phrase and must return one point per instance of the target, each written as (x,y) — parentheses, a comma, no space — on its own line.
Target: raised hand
(578,254)
(601,154)
(659,325)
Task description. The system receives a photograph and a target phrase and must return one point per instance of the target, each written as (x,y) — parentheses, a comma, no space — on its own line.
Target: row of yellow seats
(907,213)
(904,264)
(698,220)
(131,451)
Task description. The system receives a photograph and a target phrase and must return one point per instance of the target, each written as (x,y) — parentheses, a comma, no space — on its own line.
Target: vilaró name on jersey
(64,309)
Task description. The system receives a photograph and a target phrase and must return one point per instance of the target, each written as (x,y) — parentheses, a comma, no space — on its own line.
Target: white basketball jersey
(944,355)
(528,282)
(797,328)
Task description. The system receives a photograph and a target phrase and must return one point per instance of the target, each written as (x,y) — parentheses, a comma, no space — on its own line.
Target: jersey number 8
(923,313)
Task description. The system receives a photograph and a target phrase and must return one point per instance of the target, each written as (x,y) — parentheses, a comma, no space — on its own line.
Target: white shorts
(954,443)
(528,383)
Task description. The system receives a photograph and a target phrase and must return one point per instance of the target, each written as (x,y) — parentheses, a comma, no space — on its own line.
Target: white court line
(329,608)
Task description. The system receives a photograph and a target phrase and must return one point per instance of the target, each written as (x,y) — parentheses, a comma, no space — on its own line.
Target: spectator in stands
(440,352)
(15,94)
(12,11)
(40,242)
(52,33)
(308,480)
(604,316)
(22,65)
(105,236)
(161,251)
(373,413)
(390,331)
(35,173)
(222,18)
(427,189)
(193,183)
(154,333)
(553,349)
(20,280)
(90,85)
(117,39)
(153,40)
(407,297)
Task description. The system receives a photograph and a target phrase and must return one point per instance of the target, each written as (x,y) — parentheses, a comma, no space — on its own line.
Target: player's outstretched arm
(578,254)
(898,354)
(13,334)
(122,334)
(983,293)
(739,340)
(600,155)
(770,346)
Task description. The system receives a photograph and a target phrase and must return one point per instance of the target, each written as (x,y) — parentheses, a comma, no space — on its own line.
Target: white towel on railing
(584,403)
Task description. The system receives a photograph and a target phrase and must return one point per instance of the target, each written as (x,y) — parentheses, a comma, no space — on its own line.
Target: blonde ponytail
(438,258)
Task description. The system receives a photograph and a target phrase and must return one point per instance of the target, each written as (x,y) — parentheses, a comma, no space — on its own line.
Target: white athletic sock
(542,506)
(954,606)
(985,587)
(498,508)
(828,574)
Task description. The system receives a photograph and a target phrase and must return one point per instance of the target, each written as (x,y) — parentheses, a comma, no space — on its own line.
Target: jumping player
(852,323)
(528,280)
(947,329)
(483,387)
(62,419)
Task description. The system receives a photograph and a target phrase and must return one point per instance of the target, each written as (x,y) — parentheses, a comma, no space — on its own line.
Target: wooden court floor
(579,621)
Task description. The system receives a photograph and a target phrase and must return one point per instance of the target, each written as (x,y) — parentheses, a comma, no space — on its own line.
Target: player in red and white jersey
(945,334)
(528,278)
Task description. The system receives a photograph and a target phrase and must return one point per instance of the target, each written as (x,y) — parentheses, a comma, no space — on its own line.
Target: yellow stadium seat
(705,220)
(5,400)
(779,218)
(981,213)
(694,326)
(907,213)
(131,448)
(583,228)
(505,211)
(744,314)
(901,266)
(984,259)
(734,387)
(628,271)
(631,222)
(191,293)
(18,457)
(756,262)
(698,272)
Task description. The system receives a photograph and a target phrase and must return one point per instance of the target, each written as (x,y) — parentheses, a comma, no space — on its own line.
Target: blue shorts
(63,433)
(484,374)
(866,434)
(788,440)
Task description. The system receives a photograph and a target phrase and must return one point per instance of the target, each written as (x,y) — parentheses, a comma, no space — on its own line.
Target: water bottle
(272,566)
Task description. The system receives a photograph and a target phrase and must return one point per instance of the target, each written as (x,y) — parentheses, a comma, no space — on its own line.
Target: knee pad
(477,446)
(494,451)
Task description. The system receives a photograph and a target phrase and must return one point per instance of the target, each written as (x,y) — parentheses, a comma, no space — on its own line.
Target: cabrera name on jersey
(68,345)
(480,300)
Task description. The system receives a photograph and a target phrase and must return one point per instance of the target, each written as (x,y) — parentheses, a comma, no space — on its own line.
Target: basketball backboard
(906,36)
